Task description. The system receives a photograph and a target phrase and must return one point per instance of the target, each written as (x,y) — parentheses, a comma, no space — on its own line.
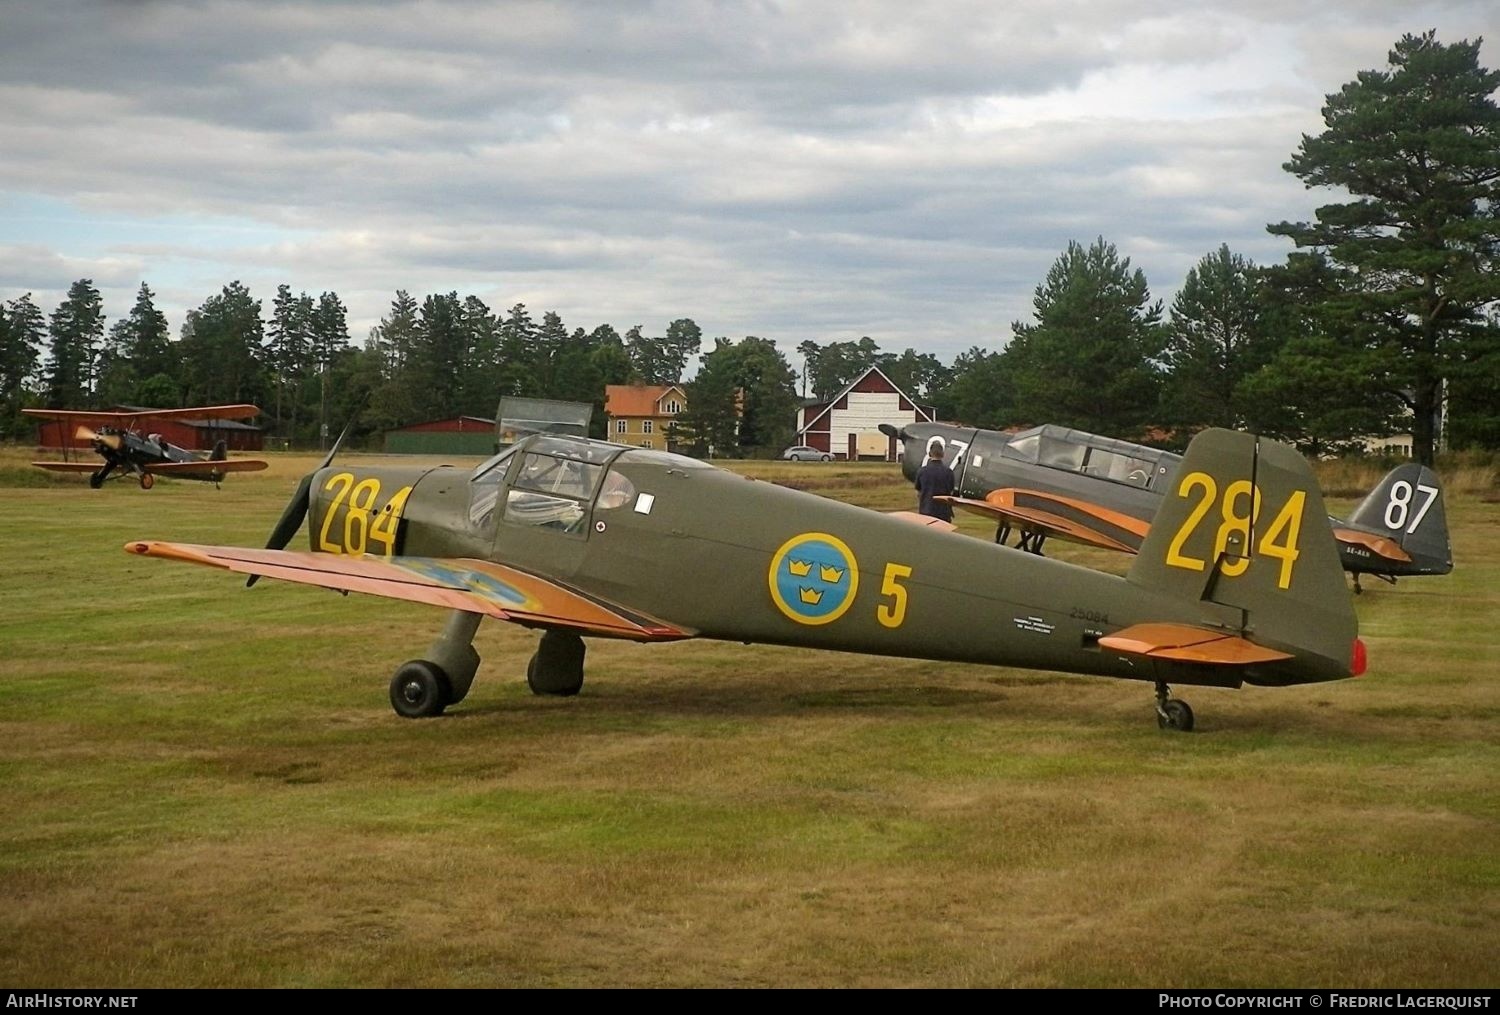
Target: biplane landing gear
(422,688)
(147,481)
(1032,542)
(557,666)
(1172,714)
(96,479)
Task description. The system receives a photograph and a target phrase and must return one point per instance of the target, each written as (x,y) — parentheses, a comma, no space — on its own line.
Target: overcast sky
(820,170)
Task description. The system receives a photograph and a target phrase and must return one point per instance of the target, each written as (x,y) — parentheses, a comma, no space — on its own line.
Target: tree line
(1383,319)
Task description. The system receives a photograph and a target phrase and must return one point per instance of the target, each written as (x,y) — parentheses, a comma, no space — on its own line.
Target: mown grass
(203,785)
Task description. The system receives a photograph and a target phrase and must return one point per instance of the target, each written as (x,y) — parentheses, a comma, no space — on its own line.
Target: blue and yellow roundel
(813,578)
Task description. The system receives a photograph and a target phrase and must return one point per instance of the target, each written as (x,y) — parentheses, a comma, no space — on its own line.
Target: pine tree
(221,348)
(21,333)
(1217,335)
(76,327)
(1090,360)
(1418,146)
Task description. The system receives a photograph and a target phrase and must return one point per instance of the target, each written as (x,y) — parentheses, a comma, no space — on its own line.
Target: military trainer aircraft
(1051,481)
(579,538)
(117,438)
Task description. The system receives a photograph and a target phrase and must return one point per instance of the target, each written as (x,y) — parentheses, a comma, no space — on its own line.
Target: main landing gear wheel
(1172,714)
(557,666)
(96,479)
(147,481)
(419,690)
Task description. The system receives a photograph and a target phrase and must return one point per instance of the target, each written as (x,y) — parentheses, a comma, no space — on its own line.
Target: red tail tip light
(1358,659)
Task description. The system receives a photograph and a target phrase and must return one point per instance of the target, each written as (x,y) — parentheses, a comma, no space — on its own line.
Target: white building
(848,425)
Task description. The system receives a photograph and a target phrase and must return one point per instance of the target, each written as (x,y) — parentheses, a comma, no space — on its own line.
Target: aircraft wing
(68,466)
(1185,643)
(114,418)
(1061,517)
(459,583)
(207,467)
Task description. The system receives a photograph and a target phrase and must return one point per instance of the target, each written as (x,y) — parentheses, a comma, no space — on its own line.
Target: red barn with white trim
(848,424)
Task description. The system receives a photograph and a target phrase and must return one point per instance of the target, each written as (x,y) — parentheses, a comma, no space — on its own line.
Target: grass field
(202,785)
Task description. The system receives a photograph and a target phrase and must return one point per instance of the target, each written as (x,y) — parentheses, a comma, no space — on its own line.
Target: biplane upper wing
(459,583)
(207,466)
(1061,517)
(67,466)
(116,418)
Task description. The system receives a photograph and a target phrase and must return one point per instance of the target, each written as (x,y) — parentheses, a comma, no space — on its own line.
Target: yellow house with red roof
(642,415)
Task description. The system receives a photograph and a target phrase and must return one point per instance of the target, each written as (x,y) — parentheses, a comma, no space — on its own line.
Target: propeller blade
(337,441)
(108,440)
(290,520)
(296,509)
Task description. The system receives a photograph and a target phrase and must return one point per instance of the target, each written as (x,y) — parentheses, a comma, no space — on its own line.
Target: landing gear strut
(557,666)
(1031,542)
(423,688)
(1172,714)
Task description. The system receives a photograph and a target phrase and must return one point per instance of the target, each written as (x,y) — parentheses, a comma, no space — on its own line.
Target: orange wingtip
(1189,644)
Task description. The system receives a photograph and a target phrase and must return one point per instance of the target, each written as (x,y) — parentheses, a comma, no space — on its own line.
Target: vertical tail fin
(1407,509)
(220,452)
(1242,532)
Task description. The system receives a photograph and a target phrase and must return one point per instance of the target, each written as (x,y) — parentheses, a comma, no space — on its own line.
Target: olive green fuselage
(737,559)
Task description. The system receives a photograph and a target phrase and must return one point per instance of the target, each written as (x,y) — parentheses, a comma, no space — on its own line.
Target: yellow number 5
(893,615)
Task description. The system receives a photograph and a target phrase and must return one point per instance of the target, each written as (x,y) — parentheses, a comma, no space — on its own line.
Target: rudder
(1243,532)
(1407,507)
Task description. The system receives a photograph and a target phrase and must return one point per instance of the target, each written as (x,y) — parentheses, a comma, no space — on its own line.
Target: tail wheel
(419,690)
(147,481)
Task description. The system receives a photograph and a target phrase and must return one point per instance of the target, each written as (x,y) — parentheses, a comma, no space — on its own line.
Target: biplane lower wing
(67,466)
(458,583)
(207,467)
(1077,521)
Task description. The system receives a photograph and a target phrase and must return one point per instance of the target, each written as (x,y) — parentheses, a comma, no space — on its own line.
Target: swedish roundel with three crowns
(813,578)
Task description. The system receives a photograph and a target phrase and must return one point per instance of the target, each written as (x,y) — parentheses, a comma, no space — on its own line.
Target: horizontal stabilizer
(921,519)
(1185,643)
(1382,546)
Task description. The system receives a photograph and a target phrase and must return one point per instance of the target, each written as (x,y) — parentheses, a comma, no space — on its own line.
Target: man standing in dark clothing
(935,480)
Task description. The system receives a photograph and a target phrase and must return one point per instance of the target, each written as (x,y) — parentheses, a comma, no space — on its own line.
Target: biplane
(1055,482)
(577,538)
(129,448)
